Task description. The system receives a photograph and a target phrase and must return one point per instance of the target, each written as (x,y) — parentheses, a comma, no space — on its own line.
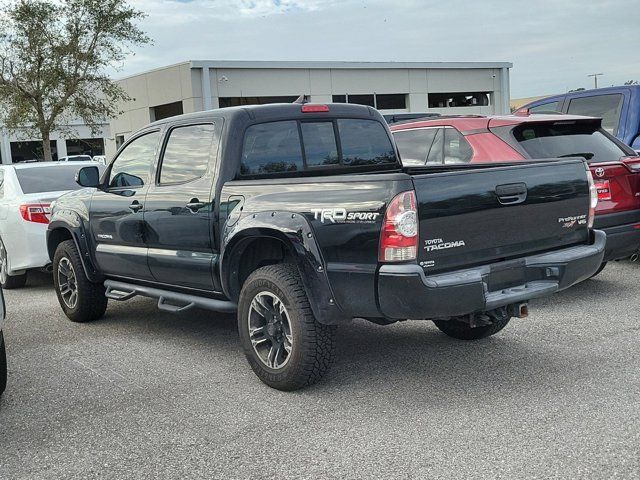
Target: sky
(553,44)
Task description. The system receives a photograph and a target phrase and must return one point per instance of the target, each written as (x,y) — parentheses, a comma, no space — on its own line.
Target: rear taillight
(35,212)
(593,200)
(399,238)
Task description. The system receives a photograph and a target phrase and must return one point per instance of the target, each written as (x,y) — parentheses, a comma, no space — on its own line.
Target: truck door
(116,214)
(179,208)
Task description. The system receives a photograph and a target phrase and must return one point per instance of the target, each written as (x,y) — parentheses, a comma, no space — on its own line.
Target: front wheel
(285,345)
(80,299)
(464,331)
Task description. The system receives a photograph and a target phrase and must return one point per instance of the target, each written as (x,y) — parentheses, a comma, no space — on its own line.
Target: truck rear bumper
(405,292)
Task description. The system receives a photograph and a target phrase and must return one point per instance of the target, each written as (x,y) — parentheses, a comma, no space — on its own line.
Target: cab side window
(187,154)
(608,107)
(132,167)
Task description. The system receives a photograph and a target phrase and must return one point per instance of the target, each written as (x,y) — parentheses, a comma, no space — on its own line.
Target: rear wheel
(80,299)
(9,281)
(285,345)
(464,331)
(3,365)
(604,264)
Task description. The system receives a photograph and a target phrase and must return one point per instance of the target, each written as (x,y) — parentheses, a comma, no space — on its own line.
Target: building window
(453,100)
(85,146)
(391,101)
(25,151)
(119,141)
(367,100)
(381,101)
(238,101)
(165,111)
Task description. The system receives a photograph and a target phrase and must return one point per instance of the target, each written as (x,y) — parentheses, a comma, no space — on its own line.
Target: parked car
(76,158)
(26,193)
(478,139)
(101,159)
(619,108)
(301,217)
(3,351)
(392,118)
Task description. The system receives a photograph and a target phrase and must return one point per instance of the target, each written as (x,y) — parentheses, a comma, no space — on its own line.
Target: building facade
(391,87)
(20,146)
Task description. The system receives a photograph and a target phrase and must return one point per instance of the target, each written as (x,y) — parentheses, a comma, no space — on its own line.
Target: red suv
(466,139)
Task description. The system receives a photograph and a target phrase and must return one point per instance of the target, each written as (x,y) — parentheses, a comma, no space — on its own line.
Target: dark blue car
(619,108)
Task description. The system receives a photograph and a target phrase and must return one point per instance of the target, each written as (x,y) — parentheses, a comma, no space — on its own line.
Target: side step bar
(167,301)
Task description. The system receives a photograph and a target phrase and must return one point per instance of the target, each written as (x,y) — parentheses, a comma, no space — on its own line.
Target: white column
(6,148)
(206,89)
(505,91)
(61,147)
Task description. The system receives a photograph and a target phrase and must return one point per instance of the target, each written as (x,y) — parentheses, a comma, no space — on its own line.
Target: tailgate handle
(512,193)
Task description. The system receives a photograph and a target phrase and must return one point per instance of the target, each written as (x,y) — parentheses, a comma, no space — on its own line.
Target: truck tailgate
(472,216)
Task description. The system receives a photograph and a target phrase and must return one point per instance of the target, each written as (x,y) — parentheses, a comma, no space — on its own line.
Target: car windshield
(79,158)
(55,178)
(568,139)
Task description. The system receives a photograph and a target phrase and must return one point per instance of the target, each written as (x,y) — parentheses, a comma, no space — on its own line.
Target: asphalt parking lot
(145,394)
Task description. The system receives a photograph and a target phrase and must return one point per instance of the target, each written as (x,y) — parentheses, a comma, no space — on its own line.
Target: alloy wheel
(270,330)
(4,265)
(67,283)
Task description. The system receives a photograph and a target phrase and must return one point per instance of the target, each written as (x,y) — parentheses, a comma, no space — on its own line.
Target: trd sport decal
(340,215)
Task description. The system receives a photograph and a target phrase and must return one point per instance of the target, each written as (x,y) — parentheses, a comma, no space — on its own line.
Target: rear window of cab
(303,146)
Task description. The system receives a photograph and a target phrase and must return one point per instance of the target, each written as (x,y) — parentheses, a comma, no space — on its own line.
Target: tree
(631,82)
(54,57)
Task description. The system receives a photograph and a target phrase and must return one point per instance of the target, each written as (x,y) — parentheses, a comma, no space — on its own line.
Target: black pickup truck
(300,217)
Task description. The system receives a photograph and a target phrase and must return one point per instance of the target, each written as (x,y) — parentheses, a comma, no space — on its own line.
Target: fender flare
(293,230)
(73,224)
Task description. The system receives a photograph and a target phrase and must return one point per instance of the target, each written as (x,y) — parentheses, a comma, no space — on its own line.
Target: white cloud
(552,44)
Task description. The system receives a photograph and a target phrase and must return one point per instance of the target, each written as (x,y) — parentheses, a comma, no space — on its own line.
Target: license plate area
(604,189)
(506,275)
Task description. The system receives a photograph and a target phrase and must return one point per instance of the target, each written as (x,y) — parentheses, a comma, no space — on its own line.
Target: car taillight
(593,201)
(399,238)
(35,212)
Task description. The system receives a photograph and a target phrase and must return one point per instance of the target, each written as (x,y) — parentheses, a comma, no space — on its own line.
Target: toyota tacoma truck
(301,217)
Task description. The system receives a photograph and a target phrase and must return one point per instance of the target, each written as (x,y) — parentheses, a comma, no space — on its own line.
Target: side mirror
(88,177)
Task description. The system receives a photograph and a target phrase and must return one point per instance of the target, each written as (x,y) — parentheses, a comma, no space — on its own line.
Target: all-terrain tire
(91,302)
(463,331)
(3,365)
(602,265)
(312,345)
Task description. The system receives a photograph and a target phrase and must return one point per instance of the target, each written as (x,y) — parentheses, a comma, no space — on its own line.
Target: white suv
(26,193)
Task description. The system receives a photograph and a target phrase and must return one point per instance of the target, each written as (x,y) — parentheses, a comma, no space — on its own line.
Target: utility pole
(595,78)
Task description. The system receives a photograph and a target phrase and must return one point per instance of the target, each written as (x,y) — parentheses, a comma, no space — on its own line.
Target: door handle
(194,205)
(512,193)
(135,206)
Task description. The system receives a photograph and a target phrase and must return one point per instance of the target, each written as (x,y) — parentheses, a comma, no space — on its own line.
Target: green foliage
(54,55)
